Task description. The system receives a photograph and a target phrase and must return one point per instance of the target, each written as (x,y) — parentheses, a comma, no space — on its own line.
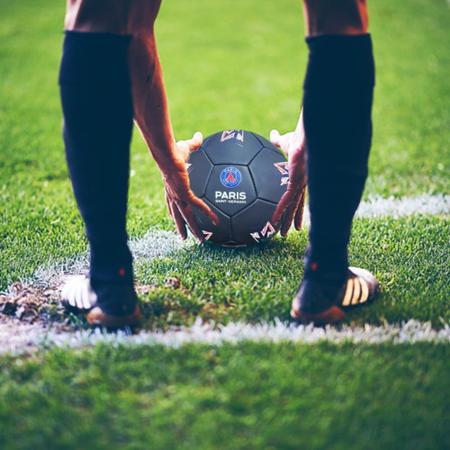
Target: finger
(287,220)
(196,141)
(281,208)
(275,138)
(190,145)
(282,141)
(205,209)
(179,221)
(176,217)
(189,218)
(298,219)
(169,207)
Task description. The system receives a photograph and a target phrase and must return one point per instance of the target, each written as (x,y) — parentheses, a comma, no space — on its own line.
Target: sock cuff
(340,41)
(95,59)
(340,60)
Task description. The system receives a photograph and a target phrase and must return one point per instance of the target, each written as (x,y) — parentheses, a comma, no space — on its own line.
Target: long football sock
(338,94)
(98,112)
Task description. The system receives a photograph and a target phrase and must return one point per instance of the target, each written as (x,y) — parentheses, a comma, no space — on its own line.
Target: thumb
(195,142)
(275,138)
(190,145)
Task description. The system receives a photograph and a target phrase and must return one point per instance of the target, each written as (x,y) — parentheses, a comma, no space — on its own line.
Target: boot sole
(329,316)
(96,316)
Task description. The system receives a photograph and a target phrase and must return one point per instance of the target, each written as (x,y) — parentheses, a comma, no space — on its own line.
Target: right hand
(179,196)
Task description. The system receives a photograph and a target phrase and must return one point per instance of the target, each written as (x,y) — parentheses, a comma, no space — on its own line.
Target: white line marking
(154,244)
(408,206)
(376,207)
(22,338)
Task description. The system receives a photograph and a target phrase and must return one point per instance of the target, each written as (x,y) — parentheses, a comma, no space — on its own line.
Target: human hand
(179,196)
(291,205)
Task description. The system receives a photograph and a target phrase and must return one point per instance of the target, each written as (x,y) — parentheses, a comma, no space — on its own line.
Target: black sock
(338,93)
(98,119)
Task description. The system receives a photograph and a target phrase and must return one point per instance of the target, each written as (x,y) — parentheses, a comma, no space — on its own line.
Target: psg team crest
(230,177)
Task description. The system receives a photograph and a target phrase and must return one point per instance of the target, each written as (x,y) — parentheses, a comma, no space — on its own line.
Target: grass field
(233,64)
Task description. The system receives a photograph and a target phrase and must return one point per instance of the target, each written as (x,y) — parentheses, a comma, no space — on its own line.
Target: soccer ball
(241,176)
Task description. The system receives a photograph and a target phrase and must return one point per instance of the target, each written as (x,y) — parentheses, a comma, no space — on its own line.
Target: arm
(152,116)
(151,111)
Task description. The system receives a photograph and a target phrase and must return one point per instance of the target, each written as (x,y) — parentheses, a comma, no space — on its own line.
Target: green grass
(233,64)
(226,65)
(409,256)
(250,396)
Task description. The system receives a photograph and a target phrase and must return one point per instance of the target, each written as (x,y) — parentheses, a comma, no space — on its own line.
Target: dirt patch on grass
(31,304)
(164,306)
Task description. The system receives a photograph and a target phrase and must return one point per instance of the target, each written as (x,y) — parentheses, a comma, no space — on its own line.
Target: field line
(154,244)
(16,338)
(407,206)
(377,207)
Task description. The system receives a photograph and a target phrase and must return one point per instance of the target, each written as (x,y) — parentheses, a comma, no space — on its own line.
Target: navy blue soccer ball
(241,176)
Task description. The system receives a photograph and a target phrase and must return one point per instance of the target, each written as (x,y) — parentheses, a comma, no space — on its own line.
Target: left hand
(291,206)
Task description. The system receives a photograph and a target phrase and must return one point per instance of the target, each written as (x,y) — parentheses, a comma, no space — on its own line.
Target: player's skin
(322,17)
(151,111)
(291,205)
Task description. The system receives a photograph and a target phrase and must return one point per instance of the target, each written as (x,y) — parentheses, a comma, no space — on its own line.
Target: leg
(338,93)
(98,118)
(97,132)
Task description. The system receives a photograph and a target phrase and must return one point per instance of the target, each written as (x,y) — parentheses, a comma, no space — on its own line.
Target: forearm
(151,110)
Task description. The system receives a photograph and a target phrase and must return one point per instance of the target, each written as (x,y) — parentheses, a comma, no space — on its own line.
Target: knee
(336,17)
(96,16)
